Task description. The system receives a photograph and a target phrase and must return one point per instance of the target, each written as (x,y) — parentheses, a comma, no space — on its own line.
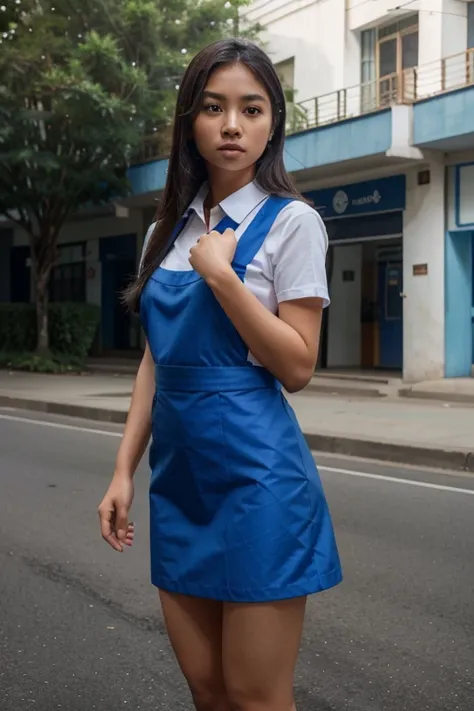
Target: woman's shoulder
(298,216)
(298,207)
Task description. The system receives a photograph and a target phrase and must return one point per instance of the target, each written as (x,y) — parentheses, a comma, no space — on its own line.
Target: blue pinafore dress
(237,509)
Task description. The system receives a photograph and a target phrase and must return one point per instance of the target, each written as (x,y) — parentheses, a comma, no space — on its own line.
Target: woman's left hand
(213,254)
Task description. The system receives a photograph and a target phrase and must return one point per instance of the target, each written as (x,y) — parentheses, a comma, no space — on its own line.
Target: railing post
(344,103)
(443,74)
(316,111)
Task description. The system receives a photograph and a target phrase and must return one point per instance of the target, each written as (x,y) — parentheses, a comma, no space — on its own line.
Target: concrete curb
(366,449)
(463,398)
(97,414)
(456,460)
(344,390)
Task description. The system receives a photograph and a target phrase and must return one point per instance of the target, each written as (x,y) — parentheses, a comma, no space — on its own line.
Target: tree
(81,83)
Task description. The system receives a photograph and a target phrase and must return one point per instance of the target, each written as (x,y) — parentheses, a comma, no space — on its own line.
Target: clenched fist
(213,253)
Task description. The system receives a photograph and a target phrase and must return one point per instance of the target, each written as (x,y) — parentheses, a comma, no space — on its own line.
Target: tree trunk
(44,231)
(42,342)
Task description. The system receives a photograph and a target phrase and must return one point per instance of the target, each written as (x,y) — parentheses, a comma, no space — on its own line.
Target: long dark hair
(186,169)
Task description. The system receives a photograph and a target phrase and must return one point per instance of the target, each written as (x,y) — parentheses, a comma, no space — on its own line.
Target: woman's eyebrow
(222,97)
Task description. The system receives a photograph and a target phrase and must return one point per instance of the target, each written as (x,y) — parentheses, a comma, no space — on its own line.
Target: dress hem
(224,594)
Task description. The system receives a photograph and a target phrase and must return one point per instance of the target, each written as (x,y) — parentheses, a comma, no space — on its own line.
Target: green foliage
(81,84)
(296,117)
(17,328)
(35,363)
(72,328)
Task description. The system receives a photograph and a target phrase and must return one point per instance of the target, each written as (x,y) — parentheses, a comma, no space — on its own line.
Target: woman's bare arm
(287,344)
(138,427)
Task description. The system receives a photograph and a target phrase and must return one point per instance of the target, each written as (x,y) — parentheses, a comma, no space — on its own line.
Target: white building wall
(323,36)
(313,32)
(371,13)
(423,243)
(81,230)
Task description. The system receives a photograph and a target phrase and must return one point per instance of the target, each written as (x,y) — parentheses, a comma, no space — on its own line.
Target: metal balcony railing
(407,87)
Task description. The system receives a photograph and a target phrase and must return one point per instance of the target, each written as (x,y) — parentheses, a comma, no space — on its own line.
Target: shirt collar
(237,206)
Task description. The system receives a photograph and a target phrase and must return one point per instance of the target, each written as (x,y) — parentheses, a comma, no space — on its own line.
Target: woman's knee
(251,697)
(255,699)
(208,695)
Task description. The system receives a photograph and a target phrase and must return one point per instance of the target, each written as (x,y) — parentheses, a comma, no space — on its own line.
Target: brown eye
(253,111)
(212,108)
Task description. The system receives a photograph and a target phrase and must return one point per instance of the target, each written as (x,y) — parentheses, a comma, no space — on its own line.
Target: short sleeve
(299,258)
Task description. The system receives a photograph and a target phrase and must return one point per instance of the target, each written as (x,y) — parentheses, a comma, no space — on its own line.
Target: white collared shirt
(289,265)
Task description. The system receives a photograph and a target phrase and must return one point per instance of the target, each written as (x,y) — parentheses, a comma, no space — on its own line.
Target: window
(470,26)
(397,52)
(470,44)
(296,118)
(368,71)
(68,279)
(286,73)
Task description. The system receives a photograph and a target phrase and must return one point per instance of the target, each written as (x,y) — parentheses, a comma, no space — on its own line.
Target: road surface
(80,626)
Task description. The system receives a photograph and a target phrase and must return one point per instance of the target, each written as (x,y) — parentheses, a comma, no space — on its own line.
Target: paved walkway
(413,431)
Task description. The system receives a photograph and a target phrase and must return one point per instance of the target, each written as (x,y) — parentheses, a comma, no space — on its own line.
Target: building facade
(381,138)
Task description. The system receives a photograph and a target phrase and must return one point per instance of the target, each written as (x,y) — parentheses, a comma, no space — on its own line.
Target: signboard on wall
(371,196)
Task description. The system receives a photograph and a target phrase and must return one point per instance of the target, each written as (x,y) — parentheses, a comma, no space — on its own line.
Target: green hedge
(72,328)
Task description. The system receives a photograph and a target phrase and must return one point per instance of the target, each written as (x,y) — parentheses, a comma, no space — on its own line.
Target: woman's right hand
(113,513)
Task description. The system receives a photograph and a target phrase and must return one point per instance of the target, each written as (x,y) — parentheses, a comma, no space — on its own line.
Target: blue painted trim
(458,276)
(443,117)
(457,195)
(450,92)
(342,122)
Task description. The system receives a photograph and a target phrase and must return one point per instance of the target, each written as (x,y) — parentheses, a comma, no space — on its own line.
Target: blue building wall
(458,304)
(444,118)
(147,177)
(459,273)
(354,138)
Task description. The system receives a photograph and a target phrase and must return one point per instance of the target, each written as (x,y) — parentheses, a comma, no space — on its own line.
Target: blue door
(390,287)
(118,257)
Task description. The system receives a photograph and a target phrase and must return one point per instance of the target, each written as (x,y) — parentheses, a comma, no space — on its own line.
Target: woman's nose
(231,126)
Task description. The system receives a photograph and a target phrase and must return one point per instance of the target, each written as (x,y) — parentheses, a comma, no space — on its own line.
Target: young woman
(230,291)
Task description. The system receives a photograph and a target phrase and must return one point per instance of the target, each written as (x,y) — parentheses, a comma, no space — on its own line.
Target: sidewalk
(390,428)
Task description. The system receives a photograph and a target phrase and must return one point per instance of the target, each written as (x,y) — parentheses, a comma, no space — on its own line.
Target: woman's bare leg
(260,648)
(194,627)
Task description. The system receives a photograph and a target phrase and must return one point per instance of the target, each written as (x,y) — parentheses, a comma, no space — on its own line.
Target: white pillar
(423,308)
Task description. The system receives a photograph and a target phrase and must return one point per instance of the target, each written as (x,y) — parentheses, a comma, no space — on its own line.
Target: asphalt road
(80,626)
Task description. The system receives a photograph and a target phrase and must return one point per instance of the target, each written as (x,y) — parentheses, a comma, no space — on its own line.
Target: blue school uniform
(237,509)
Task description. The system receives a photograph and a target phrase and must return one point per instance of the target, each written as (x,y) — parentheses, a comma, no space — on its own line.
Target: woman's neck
(224,183)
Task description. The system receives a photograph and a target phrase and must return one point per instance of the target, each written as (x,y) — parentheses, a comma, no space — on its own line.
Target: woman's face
(234,123)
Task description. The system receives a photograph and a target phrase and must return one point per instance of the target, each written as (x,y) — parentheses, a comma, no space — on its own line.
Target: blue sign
(383,195)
